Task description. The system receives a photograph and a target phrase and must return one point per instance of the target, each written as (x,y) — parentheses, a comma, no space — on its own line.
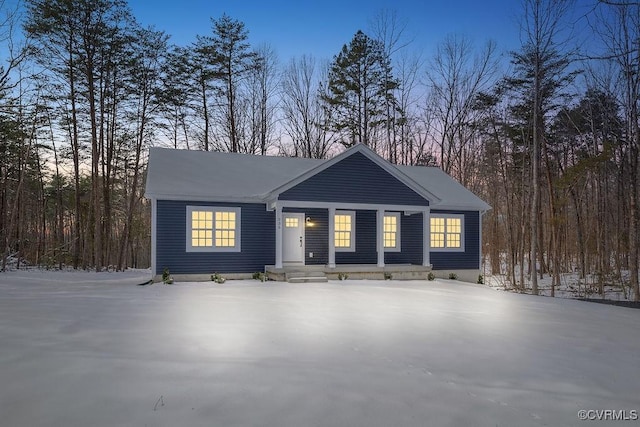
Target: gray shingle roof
(201,175)
(453,194)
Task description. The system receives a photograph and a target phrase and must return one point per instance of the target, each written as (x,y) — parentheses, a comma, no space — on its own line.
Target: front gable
(354,179)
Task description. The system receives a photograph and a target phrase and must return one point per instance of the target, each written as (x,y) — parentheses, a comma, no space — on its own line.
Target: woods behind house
(547,134)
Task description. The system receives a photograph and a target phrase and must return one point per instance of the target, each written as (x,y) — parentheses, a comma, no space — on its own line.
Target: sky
(321,27)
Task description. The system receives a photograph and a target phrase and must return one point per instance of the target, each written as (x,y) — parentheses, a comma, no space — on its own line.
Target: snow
(95,349)
(571,286)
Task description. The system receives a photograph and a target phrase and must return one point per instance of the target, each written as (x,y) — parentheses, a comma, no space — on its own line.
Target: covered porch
(378,241)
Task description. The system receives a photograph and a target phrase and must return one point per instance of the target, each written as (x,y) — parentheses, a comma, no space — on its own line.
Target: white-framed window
(344,233)
(391,231)
(447,232)
(213,229)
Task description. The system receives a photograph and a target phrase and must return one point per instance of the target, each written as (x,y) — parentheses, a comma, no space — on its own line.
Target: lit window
(201,228)
(447,232)
(213,229)
(225,229)
(437,232)
(344,223)
(391,232)
(454,232)
(291,222)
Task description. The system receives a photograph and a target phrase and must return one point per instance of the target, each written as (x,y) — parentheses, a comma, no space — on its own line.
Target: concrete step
(303,273)
(307,279)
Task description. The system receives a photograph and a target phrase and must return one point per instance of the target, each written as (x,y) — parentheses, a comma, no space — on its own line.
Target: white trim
(278,209)
(198,198)
(154,235)
(270,202)
(409,209)
(426,238)
(352,243)
(462,232)
(398,247)
(379,237)
(467,208)
(213,210)
(480,215)
(332,243)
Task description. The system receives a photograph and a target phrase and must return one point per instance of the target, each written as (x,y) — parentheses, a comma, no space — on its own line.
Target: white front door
(293,237)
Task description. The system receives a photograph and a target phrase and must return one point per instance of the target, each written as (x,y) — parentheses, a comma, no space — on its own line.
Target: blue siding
(257,244)
(258,241)
(470,258)
(355,179)
(366,252)
(410,241)
(317,236)
(317,239)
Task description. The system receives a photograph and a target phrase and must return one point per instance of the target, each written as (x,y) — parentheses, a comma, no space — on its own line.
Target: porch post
(380,236)
(278,236)
(331,235)
(154,235)
(426,237)
(480,215)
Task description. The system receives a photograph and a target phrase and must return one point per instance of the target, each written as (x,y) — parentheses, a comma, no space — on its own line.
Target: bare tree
(455,77)
(148,56)
(406,148)
(15,146)
(302,109)
(260,89)
(619,28)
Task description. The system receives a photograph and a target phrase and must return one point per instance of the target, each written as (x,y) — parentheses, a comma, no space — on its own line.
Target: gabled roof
(212,176)
(366,151)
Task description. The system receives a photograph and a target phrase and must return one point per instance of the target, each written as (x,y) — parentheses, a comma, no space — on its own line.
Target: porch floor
(350,271)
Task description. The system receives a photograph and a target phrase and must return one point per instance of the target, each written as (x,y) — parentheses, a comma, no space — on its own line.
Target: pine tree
(359,90)
(231,60)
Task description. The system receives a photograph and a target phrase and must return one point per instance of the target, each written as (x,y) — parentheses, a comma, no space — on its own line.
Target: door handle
(300,241)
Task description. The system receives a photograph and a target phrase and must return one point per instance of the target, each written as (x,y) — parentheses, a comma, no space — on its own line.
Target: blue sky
(320,28)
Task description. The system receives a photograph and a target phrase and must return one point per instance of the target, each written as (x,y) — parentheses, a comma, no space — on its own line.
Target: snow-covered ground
(571,285)
(86,349)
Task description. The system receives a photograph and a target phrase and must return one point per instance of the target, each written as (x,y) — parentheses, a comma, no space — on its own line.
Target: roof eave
(205,198)
(462,207)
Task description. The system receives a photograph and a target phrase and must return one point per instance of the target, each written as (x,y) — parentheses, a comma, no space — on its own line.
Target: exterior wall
(411,232)
(470,258)
(355,179)
(365,252)
(257,241)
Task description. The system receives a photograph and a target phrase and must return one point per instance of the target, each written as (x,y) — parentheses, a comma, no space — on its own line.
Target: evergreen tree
(359,91)
(231,60)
